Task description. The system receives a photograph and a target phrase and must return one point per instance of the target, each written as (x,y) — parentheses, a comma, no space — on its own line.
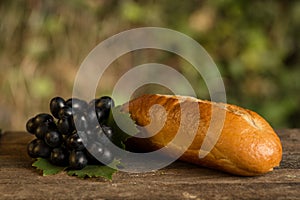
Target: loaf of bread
(246,145)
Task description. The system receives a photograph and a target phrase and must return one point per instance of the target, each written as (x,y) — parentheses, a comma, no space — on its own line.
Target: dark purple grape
(101,115)
(31,146)
(108,132)
(102,107)
(53,139)
(43,119)
(65,137)
(92,117)
(65,126)
(101,136)
(105,103)
(41,131)
(94,151)
(41,149)
(97,132)
(52,125)
(59,156)
(90,134)
(65,112)
(77,104)
(77,160)
(107,157)
(80,122)
(30,125)
(76,142)
(56,104)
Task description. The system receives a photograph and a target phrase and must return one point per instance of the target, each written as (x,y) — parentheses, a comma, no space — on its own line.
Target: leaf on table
(89,171)
(47,167)
(96,171)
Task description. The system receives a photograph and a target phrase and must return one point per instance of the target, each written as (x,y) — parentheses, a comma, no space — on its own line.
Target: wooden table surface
(18,180)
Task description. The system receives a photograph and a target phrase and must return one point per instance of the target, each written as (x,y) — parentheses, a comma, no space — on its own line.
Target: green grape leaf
(89,171)
(47,167)
(118,118)
(95,171)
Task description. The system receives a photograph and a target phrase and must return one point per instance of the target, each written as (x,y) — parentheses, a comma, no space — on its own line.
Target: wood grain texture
(18,180)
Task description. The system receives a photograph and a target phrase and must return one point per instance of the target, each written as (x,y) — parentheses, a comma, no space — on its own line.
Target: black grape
(77,160)
(56,104)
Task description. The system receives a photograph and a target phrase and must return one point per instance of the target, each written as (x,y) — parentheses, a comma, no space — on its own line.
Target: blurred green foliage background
(255,44)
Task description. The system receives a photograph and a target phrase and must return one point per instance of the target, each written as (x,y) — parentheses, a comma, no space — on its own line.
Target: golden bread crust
(247,144)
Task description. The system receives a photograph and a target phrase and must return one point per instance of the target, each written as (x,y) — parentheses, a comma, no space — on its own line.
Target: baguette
(247,145)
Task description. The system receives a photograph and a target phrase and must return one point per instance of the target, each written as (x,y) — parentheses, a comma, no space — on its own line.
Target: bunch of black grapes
(74,129)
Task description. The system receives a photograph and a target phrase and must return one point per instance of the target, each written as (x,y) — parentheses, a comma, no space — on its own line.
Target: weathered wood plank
(18,180)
